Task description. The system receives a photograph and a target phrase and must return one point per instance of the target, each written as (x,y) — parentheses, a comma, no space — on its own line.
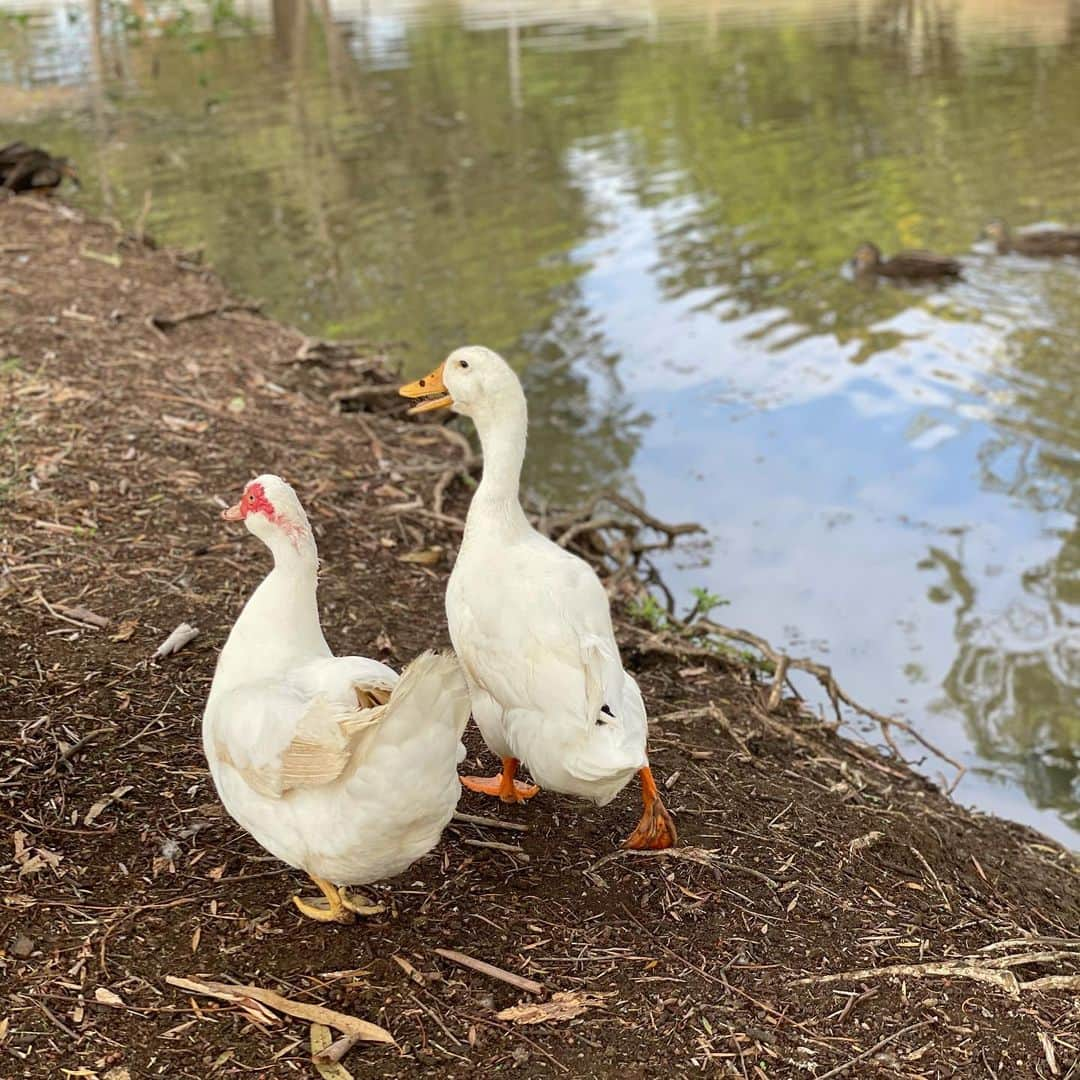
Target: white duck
(531,624)
(334,764)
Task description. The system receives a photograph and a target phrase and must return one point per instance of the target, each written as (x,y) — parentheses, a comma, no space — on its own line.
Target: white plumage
(334,764)
(531,623)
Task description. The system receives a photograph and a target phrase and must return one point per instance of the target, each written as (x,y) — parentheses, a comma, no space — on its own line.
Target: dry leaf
(104,996)
(119,1073)
(124,630)
(423,556)
(101,804)
(564,1005)
(322,1039)
(246,995)
(4,1025)
(32,863)
(102,256)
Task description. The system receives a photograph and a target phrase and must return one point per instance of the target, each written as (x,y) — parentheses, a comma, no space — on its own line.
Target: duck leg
(656,829)
(333,908)
(502,784)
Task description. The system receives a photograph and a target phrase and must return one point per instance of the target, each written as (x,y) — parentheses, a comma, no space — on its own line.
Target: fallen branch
(958,969)
(160,323)
(489,822)
(83,614)
(530,986)
(496,845)
(782,664)
(840,1069)
(67,754)
(81,617)
(992,970)
(701,856)
(315,1014)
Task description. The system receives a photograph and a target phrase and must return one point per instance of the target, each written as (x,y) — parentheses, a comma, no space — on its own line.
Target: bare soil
(804,855)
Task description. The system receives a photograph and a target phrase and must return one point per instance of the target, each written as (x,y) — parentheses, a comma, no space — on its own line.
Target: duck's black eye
(463,363)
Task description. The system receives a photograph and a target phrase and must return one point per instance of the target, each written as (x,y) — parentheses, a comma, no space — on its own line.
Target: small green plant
(648,610)
(704,603)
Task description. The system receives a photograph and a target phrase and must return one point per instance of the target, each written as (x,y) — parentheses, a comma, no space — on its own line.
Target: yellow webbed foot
(329,908)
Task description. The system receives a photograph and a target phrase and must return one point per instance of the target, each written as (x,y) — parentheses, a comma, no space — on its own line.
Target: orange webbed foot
(656,829)
(502,784)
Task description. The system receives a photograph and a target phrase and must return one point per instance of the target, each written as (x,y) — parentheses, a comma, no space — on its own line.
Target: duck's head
(867,256)
(270,510)
(471,380)
(997,231)
(66,167)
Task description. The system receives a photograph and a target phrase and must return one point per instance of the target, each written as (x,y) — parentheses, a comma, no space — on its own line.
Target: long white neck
(502,434)
(280,625)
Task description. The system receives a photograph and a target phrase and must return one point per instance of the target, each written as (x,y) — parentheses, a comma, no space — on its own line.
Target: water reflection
(648,210)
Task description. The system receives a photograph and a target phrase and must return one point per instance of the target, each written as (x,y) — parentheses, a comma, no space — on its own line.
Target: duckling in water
(28,168)
(1060,241)
(912,265)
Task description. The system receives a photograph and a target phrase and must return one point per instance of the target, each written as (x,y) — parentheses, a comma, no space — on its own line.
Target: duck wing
(322,722)
(278,738)
(542,641)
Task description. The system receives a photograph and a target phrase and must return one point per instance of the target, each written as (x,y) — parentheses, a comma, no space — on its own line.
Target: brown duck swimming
(28,168)
(912,265)
(1064,241)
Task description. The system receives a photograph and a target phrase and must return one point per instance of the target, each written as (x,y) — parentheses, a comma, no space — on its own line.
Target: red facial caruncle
(253,501)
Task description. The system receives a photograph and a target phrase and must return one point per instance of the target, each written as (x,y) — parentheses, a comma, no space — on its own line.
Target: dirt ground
(765,946)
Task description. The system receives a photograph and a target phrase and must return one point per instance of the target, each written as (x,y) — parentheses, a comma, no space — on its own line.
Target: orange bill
(427,387)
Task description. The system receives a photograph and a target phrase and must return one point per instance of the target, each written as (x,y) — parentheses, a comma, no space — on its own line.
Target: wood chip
(530,986)
(409,970)
(104,996)
(176,640)
(564,1005)
(316,1014)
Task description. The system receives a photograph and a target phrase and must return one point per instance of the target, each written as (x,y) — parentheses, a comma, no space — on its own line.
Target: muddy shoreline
(136,392)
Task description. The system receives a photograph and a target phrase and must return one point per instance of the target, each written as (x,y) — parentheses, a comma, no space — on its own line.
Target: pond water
(647,208)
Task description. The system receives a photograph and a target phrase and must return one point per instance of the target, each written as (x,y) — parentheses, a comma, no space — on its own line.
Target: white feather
(302,754)
(531,622)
